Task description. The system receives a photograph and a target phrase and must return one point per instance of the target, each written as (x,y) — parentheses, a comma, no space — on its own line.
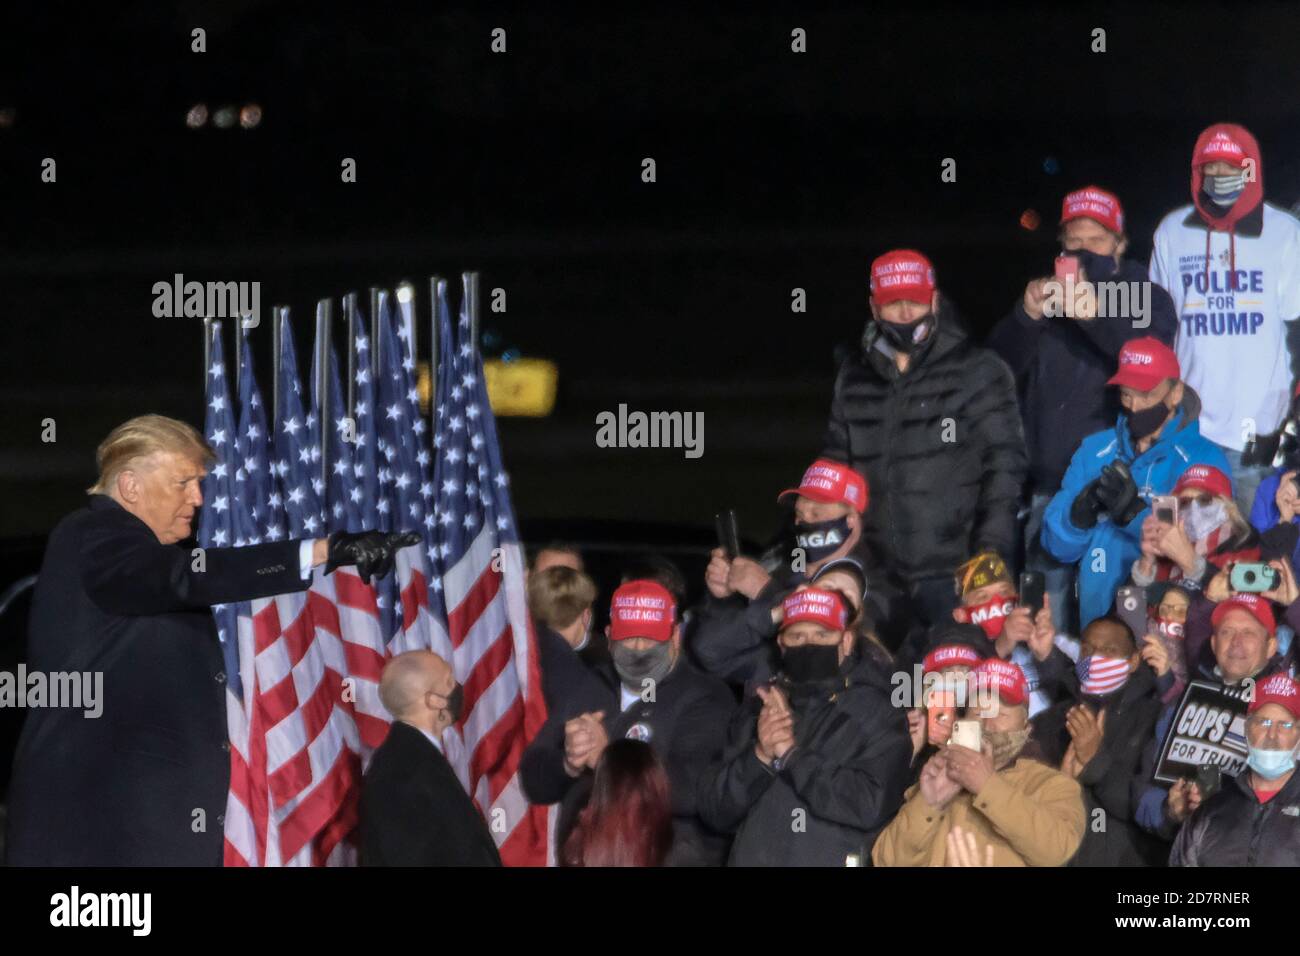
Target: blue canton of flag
(297,460)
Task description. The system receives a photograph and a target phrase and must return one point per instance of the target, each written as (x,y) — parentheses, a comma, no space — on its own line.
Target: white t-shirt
(1232,344)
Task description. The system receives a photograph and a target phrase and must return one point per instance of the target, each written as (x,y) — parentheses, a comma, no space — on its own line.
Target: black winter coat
(569,687)
(414,811)
(686,724)
(122,789)
(1112,782)
(1233,828)
(1061,367)
(842,783)
(941,447)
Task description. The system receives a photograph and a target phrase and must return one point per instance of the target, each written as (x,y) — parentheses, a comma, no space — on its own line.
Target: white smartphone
(966,733)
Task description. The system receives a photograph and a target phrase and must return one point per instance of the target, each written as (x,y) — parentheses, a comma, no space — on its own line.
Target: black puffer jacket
(842,783)
(941,446)
(1233,828)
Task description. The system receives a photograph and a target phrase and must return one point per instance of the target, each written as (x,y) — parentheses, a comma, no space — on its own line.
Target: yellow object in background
(523,387)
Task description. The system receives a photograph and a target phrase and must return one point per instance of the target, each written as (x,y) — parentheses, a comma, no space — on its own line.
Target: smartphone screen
(1067,267)
(1032,585)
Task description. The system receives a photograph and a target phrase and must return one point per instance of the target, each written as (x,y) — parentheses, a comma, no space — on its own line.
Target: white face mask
(1200,520)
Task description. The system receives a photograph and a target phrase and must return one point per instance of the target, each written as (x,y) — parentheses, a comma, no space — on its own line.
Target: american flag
(1101,675)
(304,712)
(480,585)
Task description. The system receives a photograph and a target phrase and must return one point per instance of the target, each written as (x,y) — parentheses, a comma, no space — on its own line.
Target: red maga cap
(1256,606)
(1278,689)
(816,606)
(1221,147)
(1092,202)
(1004,677)
(1204,478)
(902,274)
(950,655)
(641,608)
(831,482)
(1144,363)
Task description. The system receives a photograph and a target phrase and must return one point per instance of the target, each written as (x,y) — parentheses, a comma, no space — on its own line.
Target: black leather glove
(1118,493)
(1086,507)
(373,552)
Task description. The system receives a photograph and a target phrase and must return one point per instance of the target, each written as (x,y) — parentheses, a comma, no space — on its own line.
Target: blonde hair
(558,595)
(141,437)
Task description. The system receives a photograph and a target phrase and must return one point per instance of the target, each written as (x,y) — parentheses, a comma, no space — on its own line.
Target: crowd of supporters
(1039,606)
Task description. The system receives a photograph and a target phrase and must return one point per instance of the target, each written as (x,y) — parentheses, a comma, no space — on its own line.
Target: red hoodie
(1233,137)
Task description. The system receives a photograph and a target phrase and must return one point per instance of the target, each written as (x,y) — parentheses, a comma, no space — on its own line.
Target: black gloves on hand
(1114,493)
(1086,507)
(373,552)
(1118,493)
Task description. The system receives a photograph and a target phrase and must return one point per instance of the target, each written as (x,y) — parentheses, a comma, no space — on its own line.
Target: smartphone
(1067,268)
(1131,606)
(1165,508)
(728,532)
(1032,586)
(1253,577)
(940,713)
(1208,779)
(966,733)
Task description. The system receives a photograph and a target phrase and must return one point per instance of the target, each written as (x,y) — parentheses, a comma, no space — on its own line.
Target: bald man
(414,811)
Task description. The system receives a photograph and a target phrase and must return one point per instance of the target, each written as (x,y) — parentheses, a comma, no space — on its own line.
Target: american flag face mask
(1099,675)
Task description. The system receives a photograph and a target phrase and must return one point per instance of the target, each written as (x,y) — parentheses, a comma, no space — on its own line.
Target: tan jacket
(1031,814)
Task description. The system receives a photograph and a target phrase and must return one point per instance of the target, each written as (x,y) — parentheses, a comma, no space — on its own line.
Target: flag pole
(278,313)
(207,350)
(324,319)
(471,293)
(374,331)
(436,291)
(405,286)
(350,316)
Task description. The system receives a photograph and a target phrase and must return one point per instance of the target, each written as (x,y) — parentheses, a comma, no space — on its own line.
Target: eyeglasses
(1266,723)
(1201,500)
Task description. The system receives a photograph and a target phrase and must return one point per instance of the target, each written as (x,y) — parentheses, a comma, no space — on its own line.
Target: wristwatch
(778,763)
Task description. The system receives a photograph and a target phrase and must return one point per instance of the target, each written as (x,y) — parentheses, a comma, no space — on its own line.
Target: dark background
(775,170)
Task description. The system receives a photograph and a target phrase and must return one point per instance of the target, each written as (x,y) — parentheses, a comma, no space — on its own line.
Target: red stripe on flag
(463,617)
(309,817)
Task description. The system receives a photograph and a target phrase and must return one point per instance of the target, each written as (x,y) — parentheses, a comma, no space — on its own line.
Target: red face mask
(991,616)
(1168,628)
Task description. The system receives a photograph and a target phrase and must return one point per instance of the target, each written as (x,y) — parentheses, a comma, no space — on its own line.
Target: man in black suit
(414,811)
(145,783)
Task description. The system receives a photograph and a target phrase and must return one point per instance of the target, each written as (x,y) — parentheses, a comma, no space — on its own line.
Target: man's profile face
(1134,400)
(1090,236)
(808,511)
(167,495)
(902,311)
(1241,645)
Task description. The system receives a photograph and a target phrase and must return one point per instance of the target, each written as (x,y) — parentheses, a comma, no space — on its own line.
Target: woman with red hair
(628,821)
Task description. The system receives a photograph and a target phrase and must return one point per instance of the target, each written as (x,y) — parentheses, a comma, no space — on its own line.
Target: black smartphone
(728,532)
(1131,607)
(1032,586)
(1209,778)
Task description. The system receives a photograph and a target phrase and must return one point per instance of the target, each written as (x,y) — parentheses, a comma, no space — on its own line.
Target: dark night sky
(775,170)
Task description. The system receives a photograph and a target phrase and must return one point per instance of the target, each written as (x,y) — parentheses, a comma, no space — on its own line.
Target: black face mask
(1096,268)
(1146,422)
(907,336)
(455,701)
(821,539)
(811,662)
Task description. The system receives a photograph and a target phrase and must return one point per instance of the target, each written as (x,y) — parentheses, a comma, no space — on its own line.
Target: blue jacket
(1264,513)
(1105,553)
